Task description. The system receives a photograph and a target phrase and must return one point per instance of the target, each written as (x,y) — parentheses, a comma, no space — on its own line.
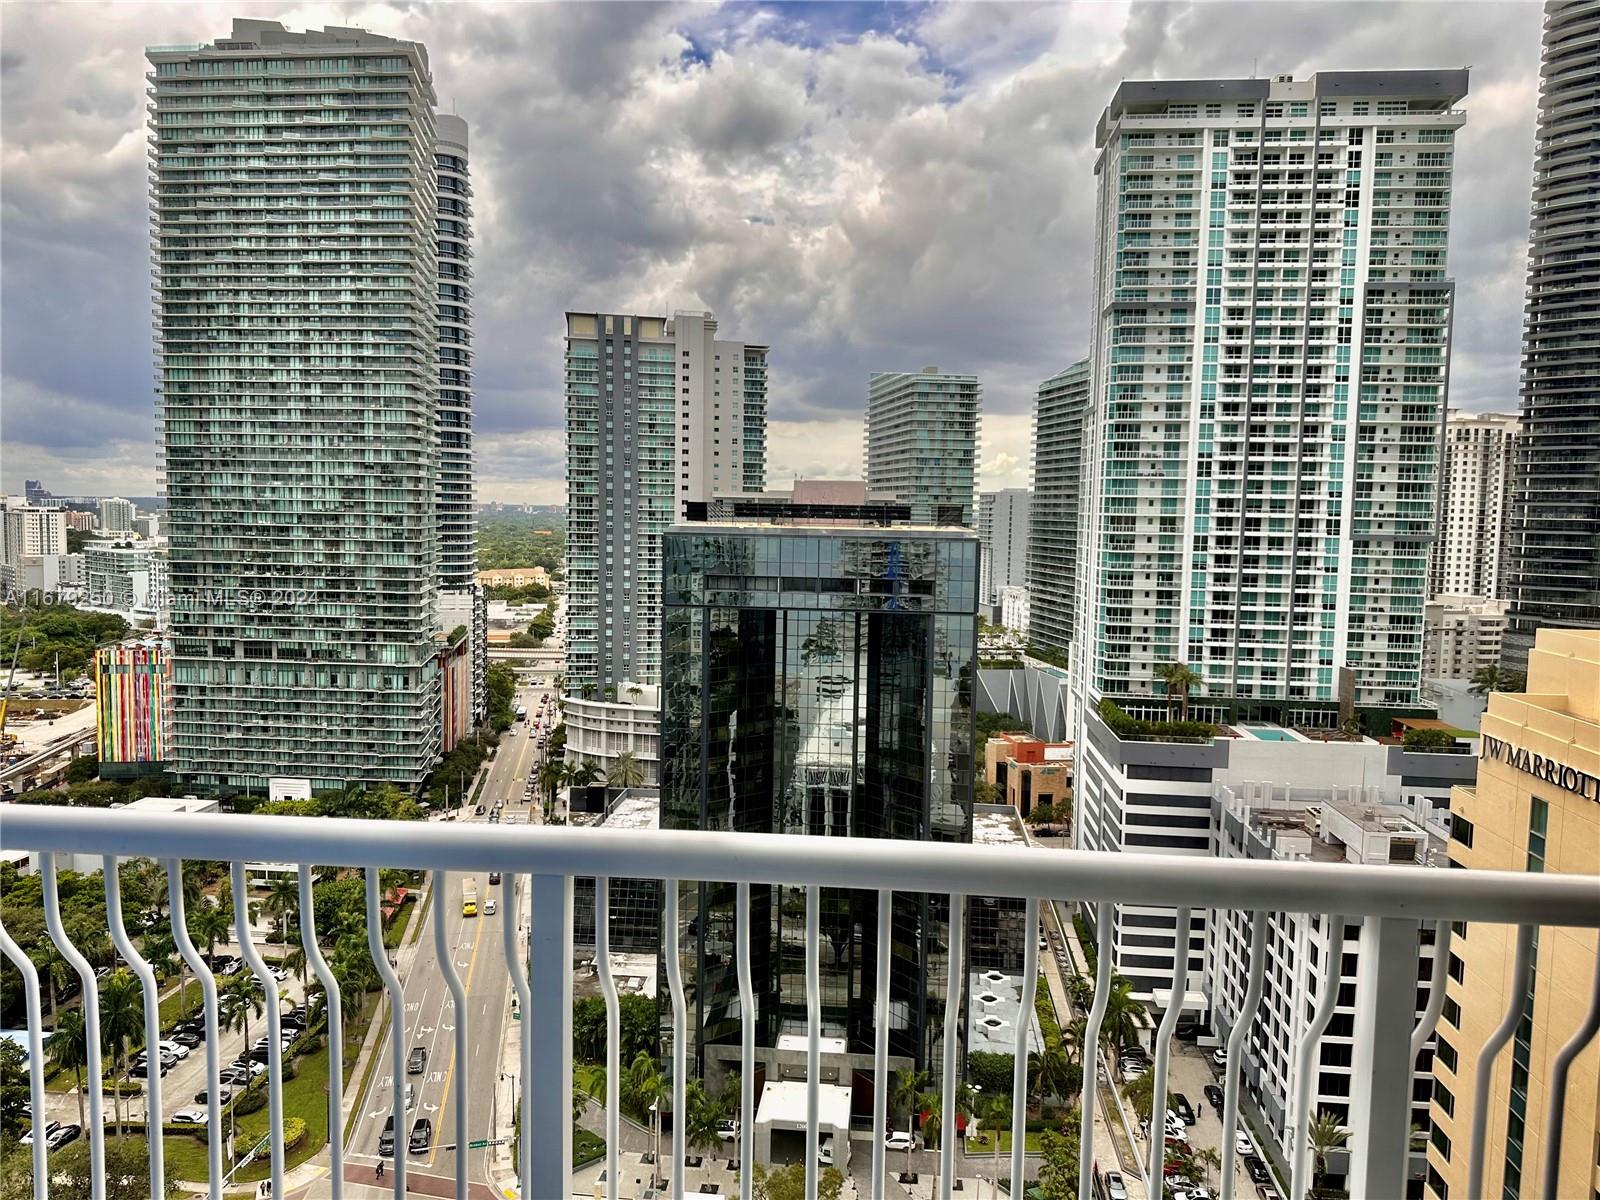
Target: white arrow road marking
(431,1107)
(427,1029)
(379,1113)
(448,1028)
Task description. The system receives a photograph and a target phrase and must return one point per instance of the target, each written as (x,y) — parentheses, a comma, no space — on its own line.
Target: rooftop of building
(997,825)
(1325,828)
(956,533)
(994,1007)
(636,808)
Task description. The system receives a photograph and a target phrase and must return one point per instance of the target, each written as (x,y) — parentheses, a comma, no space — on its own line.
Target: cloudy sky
(863,186)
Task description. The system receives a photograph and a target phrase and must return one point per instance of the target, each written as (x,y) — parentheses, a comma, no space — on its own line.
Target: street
(430,1018)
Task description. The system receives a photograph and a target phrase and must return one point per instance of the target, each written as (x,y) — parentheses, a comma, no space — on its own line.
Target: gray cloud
(863,199)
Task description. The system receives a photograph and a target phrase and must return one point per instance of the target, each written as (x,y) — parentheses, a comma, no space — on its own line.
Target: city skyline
(805,216)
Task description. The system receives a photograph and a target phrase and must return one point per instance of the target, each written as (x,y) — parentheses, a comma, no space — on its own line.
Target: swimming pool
(1270,733)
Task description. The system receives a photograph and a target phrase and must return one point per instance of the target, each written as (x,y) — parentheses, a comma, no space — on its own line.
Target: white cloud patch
(919,192)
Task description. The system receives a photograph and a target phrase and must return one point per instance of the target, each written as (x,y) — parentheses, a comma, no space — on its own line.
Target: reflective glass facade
(818,680)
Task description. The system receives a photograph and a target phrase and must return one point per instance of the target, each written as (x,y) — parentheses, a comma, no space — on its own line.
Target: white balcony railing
(1390,903)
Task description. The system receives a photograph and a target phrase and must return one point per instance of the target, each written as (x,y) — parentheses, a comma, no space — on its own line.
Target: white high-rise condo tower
(661,413)
(922,442)
(294,192)
(1269,370)
(1003,522)
(1479,458)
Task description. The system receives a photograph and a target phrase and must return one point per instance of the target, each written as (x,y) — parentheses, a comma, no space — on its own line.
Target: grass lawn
(586,1147)
(355,1033)
(979,1143)
(169,1008)
(305,1096)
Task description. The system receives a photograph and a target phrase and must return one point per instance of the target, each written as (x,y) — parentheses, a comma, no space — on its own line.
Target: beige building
(1028,771)
(516,577)
(1461,635)
(1536,807)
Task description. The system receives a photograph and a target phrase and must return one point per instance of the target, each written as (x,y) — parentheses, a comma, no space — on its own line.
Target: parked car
(1188,1031)
(494,876)
(1256,1168)
(421,1135)
(825,1150)
(418,1060)
(386,1138)
(1219,1056)
(1267,1192)
(1213,1096)
(177,1049)
(1184,1108)
(223,1096)
(62,1135)
(189,1116)
(141,1070)
(187,1038)
(728,1131)
(900,1139)
(1242,1143)
(1115,1188)
(49,1128)
(235,1076)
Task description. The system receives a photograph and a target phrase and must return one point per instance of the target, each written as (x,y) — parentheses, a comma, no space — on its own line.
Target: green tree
(789,1183)
(908,1087)
(995,1110)
(1180,680)
(649,1090)
(1325,1135)
(121,1020)
(1058,1162)
(984,792)
(1124,1016)
(1497,679)
(54,971)
(704,1112)
(14,1093)
(590,1078)
(210,924)
(1140,1091)
(626,771)
(1429,739)
(1052,1073)
(283,898)
(238,1000)
(69,1051)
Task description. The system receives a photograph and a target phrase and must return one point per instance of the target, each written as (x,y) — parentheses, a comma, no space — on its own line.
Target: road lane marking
(466,990)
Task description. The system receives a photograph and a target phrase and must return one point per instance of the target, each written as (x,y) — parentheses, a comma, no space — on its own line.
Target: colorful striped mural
(133,698)
(455,666)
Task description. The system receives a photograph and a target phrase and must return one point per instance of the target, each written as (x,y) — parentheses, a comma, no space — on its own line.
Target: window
(1441,1142)
(1461,830)
(1538,827)
(1443,1097)
(1445,1053)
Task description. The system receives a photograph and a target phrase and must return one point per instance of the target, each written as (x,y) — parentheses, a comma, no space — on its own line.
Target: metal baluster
(1436,987)
(608,989)
(813,1034)
(1019,1069)
(30,993)
(152,1020)
(1236,1040)
(1308,1057)
(1163,1047)
(1556,1108)
(333,1004)
(680,1021)
(954,981)
(880,1045)
(517,967)
(747,1034)
(1522,965)
(549,1024)
(1091,1047)
(208,996)
(96,1133)
(397,1026)
(1382,1071)
(458,995)
(269,988)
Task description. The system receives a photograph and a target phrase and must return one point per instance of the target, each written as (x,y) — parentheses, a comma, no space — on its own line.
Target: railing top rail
(1505,897)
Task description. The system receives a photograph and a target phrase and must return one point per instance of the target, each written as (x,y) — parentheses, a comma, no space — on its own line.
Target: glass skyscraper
(295,198)
(1058,421)
(818,679)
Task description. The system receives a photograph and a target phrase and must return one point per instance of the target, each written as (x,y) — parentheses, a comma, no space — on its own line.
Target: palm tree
(704,1112)
(996,1112)
(52,968)
(121,1014)
(1050,1073)
(932,1106)
(1208,1160)
(1124,1016)
(1497,679)
(1325,1135)
(625,772)
(210,924)
(240,997)
(551,776)
(907,1092)
(283,898)
(1140,1091)
(590,1078)
(650,1088)
(1179,680)
(69,1051)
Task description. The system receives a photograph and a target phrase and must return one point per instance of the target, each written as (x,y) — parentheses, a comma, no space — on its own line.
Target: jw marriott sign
(1568,779)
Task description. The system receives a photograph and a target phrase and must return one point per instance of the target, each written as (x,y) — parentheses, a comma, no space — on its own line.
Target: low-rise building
(598,730)
(124,577)
(1461,635)
(1027,771)
(515,577)
(1297,823)
(1015,609)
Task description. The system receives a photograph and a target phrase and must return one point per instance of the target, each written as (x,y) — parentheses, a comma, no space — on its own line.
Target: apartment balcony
(536,898)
